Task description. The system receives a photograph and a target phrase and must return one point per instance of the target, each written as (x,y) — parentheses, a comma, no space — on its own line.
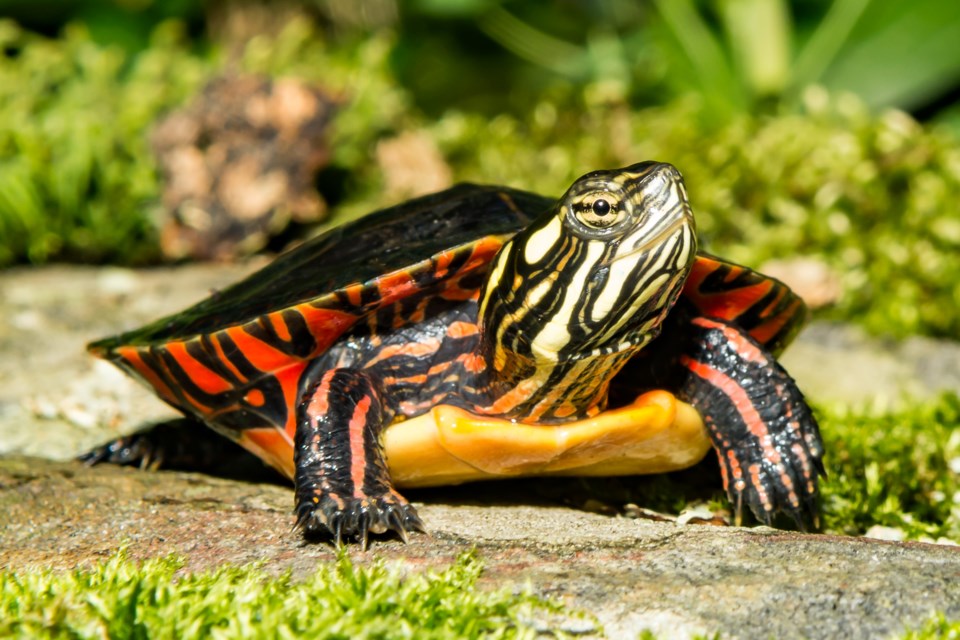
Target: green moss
(118,599)
(896,469)
(936,628)
(76,177)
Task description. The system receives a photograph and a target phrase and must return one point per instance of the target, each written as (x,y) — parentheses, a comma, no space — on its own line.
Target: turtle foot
(133,450)
(784,484)
(329,516)
(767,439)
(177,444)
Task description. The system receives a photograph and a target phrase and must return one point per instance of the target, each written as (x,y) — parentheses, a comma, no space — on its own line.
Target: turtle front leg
(765,435)
(343,488)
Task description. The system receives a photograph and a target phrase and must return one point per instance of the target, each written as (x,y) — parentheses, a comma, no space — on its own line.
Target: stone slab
(631,574)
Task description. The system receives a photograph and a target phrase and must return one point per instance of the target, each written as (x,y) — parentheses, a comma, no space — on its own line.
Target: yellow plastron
(448,445)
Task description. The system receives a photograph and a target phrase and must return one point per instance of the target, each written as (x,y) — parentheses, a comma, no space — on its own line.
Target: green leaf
(721,89)
(759,33)
(828,39)
(903,54)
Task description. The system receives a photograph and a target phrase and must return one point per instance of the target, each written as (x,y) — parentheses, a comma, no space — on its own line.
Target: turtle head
(597,273)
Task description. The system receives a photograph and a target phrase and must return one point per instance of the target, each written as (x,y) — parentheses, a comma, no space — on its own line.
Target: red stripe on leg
(751,419)
(319,403)
(738,396)
(358,455)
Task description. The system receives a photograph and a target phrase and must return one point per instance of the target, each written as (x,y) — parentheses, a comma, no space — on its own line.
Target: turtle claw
(767,484)
(178,444)
(330,516)
(134,450)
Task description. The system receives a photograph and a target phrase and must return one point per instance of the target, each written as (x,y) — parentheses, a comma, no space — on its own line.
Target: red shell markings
(739,294)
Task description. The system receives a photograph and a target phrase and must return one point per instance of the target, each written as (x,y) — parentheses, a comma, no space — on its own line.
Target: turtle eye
(598,211)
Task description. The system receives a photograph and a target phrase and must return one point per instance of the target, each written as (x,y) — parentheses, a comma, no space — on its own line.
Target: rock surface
(632,574)
(56,401)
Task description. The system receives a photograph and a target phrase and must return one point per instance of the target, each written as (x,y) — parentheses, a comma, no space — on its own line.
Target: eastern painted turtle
(485,332)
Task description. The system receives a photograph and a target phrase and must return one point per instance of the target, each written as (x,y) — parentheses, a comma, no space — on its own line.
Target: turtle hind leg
(184,444)
(766,437)
(343,488)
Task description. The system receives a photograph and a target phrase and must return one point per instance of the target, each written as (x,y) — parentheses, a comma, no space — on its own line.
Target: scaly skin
(530,350)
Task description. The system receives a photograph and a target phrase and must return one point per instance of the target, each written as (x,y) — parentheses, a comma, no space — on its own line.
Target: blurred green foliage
(740,54)
(492,55)
(737,55)
(77,180)
(127,23)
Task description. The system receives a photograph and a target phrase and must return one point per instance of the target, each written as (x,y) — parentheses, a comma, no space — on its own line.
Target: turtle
(488,332)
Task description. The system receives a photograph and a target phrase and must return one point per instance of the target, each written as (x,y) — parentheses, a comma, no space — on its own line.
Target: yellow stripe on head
(592,269)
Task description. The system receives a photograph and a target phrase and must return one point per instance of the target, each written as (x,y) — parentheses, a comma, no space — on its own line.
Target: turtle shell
(235,359)
(359,265)
(231,358)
